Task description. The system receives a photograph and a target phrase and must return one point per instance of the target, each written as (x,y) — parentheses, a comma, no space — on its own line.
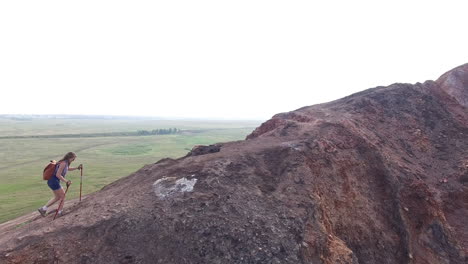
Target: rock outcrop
(455,84)
(380,176)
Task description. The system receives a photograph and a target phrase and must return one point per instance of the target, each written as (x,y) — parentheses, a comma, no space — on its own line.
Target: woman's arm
(77,168)
(59,172)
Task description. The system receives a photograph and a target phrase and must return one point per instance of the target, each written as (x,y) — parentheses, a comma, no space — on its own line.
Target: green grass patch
(105,159)
(137,149)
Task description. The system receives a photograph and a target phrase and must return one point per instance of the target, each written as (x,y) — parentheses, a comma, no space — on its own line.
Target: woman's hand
(80,167)
(69,182)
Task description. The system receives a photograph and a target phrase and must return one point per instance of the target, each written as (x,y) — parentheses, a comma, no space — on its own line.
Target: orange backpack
(49,170)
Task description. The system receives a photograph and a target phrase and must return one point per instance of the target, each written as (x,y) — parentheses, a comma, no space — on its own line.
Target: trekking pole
(61,202)
(81,180)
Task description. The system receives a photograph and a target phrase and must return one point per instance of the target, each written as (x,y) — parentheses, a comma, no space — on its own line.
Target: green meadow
(27,145)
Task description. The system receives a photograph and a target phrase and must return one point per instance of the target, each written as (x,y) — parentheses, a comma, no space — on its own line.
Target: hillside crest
(380,176)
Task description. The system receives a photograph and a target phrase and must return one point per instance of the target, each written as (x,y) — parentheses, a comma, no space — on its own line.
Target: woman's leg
(56,197)
(61,194)
(58,194)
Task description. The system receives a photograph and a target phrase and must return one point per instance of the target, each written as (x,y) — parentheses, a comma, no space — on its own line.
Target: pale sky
(217,59)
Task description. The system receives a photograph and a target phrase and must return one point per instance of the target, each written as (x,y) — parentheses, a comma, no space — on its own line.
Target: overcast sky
(217,59)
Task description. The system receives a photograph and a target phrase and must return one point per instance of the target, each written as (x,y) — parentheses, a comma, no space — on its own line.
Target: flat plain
(27,145)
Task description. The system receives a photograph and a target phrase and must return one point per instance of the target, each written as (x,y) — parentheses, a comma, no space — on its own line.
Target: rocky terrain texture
(380,176)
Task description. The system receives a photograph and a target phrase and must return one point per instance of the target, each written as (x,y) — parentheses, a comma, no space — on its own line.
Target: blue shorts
(54,184)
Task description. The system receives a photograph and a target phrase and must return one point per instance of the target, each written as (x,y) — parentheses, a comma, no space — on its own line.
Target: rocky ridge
(380,176)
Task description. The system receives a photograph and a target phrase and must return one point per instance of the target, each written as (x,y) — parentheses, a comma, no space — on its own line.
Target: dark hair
(68,157)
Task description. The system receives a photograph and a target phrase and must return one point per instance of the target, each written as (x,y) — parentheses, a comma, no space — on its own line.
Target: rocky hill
(380,176)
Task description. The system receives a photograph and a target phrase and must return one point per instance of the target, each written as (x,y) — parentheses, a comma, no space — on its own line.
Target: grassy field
(106,159)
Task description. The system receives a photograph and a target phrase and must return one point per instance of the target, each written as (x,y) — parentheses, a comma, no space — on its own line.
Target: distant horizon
(100,116)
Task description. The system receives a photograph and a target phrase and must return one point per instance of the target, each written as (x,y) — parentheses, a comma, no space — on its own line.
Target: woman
(61,169)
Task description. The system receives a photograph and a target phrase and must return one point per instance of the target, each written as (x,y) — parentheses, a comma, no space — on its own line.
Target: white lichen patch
(168,186)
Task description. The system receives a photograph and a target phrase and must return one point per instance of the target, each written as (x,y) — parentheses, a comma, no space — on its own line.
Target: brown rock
(455,83)
(355,180)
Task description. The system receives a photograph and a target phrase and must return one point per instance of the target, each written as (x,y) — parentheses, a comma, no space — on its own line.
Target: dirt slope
(380,176)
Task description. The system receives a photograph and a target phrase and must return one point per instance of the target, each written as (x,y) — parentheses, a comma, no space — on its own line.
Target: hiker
(61,169)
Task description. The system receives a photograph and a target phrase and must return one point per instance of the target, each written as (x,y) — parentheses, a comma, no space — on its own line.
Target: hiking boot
(42,211)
